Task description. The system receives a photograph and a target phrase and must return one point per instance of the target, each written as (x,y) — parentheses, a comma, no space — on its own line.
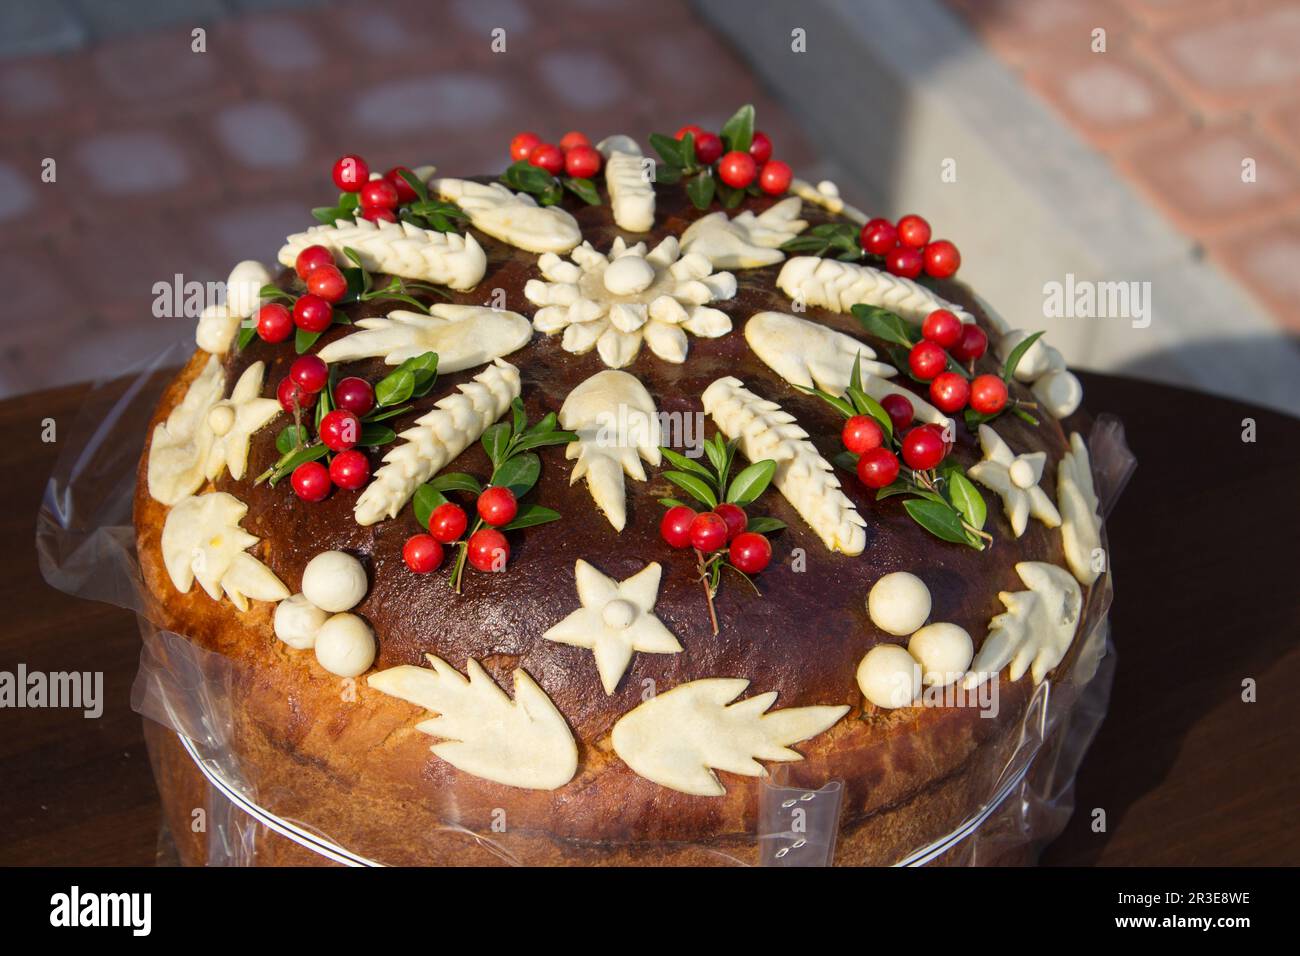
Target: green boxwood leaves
(712,484)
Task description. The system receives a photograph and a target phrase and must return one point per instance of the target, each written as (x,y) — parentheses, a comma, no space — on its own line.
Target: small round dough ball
(944,652)
(334,581)
(1060,392)
(889,676)
(899,603)
(345,645)
(244,287)
(297,620)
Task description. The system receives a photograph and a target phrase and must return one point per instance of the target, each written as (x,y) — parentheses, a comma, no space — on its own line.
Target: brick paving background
(170,161)
(1183,93)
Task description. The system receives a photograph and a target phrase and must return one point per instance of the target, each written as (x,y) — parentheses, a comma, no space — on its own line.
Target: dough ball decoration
(333,583)
(898,603)
(722,536)
(937,655)
(482,543)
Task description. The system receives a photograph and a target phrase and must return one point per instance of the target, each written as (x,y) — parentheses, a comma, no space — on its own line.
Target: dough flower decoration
(614,302)
(1015,478)
(615,620)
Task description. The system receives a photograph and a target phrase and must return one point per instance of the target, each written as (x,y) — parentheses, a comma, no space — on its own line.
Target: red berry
(941,259)
(878,467)
(274,323)
(379,194)
(422,553)
(447,522)
(349,469)
(497,505)
(734,516)
(290,393)
(988,394)
(972,344)
(760,147)
(573,139)
(405,193)
(547,156)
(904,261)
(523,144)
(913,231)
(488,550)
(942,328)
(949,392)
(311,482)
(354,394)
(899,409)
(688,128)
(861,434)
(582,162)
(311,313)
(926,360)
(708,147)
(878,236)
(378,214)
(310,258)
(775,177)
(310,373)
(351,173)
(737,169)
(923,447)
(751,552)
(327,282)
(675,526)
(708,531)
(340,429)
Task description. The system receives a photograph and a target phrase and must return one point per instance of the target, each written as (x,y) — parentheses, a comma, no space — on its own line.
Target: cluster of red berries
(313,311)
(379,197)
(737,169)
(339,429)
(710,531)
(943,334)
(922,447)
(575,156)
(487,548)
(907,248)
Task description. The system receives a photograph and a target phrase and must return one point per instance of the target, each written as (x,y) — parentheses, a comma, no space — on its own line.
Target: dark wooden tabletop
(1203,547)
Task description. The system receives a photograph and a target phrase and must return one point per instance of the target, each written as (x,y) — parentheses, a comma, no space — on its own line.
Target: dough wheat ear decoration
(803,476)
(617,425)
(676,737)
(512,217)
(398,249)
(463,336)
(631,194)
(839,286)
(521,743)
(437,437)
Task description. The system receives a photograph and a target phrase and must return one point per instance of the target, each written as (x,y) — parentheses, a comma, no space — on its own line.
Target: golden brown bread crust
(348,759)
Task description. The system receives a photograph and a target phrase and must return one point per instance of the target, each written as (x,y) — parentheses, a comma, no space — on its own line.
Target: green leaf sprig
(414,378)
(712,485)
(522,176)
(838,239)
(509,446)
(679,163)
(943,500)
(1018,408)
(429,212)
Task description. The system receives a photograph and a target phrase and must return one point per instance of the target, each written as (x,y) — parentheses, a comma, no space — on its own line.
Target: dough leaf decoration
(464,336)
(680,737)
(1080,517)
(746,241)
(523,742)
(1015,478)
(765,430)
(617,426)
(514,218)
(179,450)
(1036,629)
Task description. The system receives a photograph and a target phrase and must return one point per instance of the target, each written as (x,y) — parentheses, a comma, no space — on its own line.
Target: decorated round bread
(550,518)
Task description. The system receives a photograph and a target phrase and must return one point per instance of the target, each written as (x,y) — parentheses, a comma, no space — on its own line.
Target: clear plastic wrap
(86,545)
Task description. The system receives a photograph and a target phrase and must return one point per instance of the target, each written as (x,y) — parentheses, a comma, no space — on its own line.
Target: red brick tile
(1265,262)
(1159,13)
(284,53)
(256,228)
(1240,60)
(148,74)
(30,206)
(1283,123)
(1018,30)
(127,169)
(1196,178)
(36,293)
(1111,98)
(41,96)
(685,73)
(260,144)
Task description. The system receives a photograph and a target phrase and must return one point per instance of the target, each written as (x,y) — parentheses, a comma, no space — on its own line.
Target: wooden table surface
(1203,556)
